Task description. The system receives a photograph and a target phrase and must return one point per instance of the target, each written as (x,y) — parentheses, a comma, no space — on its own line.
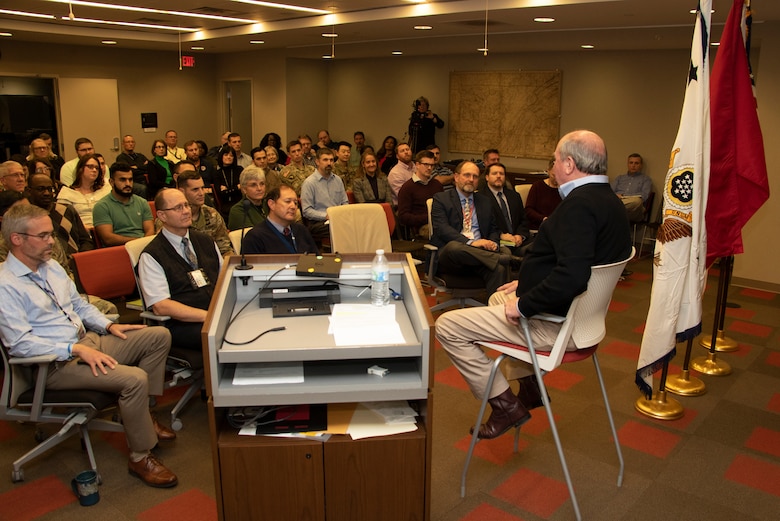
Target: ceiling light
(253,42)
(330,35)
(694,11)
(483,49)
(423,27)
(396,53)
(133,24)
(6,34)
(544,20)
(121,7)
(108,42)
(328,56)
(587,46)
(197,48)
(24,13)
(715,44)
(283,6)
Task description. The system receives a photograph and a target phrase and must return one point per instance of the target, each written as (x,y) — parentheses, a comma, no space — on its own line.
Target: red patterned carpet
(721,461)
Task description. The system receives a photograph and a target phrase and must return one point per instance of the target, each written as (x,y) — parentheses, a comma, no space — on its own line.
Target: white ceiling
(375,28)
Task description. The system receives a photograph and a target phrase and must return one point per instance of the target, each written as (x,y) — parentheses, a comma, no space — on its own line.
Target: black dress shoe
(529,393)
(507,412)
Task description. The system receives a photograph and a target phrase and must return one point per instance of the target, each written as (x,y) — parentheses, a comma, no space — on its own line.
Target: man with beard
(466,233)
(122,216)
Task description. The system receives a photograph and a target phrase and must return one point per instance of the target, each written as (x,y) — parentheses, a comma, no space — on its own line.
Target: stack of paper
(364,324)
(381,419)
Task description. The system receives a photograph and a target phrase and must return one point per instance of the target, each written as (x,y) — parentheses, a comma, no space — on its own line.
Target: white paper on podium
(268,373)
(364,324)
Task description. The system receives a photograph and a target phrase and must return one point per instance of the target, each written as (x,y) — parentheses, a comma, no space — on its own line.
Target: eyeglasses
(44,236)
(18,175)
(427,165)
(92,167)
(42,189)
(43,170)
(178,208)
(40,148)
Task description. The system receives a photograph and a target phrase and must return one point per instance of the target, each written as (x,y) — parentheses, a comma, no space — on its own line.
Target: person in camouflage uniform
(294,174)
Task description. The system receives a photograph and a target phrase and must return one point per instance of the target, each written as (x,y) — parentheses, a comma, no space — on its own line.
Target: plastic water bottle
(380,280)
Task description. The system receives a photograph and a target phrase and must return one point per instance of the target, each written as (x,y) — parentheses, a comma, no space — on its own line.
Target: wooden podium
(273,478)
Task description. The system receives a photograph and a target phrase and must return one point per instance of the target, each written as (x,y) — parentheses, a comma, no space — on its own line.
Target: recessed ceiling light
(544,20)
(197,48)
(715,44)
(694,11)
(108,42)
(330,35)
(6,34)
(483,49)
(423,27)
(254,42)
(397,53)
(587,46)
(328,56)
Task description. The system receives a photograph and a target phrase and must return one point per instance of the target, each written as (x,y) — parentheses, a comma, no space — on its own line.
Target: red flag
(738,177)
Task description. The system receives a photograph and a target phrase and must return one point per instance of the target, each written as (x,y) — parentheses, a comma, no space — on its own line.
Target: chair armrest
(430,247)
(548,317)
(148,315)
(30,360)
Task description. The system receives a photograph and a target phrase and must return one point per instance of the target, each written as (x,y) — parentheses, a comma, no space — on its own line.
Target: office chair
(24,398)
(464,289)
(235,238)
(358,228)
(648,208)
(185,365)
(105,273)
(585,323)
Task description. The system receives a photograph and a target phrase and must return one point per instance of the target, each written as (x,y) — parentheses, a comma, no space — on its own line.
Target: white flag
(681,244)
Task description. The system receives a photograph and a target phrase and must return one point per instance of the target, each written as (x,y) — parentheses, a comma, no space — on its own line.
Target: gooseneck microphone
(246,203)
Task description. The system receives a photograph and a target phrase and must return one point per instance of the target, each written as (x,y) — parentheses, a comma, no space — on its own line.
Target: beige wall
(147,82)
(632,99)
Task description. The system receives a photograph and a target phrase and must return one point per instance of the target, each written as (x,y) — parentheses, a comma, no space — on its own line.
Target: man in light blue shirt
(41,313)
(320,191)
(633,188)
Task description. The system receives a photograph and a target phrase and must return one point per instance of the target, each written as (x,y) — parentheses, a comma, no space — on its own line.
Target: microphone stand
(246,203)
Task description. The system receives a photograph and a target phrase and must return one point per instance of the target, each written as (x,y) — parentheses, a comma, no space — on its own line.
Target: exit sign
(188,61)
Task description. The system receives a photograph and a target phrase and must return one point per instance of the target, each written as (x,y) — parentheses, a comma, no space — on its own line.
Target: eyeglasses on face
(44,236)
(91,166)
(43,170)
(427,165)
(178,208)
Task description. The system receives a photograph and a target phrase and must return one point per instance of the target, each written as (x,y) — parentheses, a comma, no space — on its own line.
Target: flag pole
(684,384)
(723,344)
(710,364)
(661,406)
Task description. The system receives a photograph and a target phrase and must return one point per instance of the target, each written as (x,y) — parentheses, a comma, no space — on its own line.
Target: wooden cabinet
(278,479)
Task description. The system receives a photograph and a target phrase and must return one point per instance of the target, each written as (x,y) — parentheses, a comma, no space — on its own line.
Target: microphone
(246,203)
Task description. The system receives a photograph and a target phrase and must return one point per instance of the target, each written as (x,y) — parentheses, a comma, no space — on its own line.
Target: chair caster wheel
(17,475)
(176,424)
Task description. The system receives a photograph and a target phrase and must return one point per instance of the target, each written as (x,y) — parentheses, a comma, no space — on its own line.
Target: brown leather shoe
(152,472)
(507,412)
(163,432)
(529,393)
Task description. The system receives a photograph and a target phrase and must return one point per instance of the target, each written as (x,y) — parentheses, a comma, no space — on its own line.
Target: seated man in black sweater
(178,270)
(279,233)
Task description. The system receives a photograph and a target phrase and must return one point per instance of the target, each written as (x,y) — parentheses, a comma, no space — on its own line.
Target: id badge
(198,278)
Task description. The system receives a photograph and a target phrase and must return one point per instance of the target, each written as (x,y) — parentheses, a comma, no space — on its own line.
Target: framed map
(517,112)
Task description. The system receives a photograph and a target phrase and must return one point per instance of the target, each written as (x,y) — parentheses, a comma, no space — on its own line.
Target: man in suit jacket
(508,209)
(465,231)
(588,228)
(279,233)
